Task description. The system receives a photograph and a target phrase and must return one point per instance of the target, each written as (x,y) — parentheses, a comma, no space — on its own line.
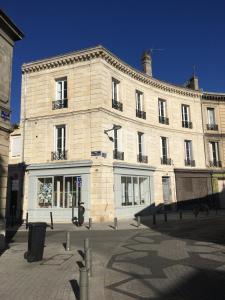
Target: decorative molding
(101,52)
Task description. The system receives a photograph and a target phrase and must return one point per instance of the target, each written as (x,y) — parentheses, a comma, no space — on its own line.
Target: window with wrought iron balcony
(117,152)
(189,162)
(140,113)
(141,148)
(59,152)
(165,160)
(185,110)
(214,155)
(211,119)
(61,94)
(162,112)
(116,104)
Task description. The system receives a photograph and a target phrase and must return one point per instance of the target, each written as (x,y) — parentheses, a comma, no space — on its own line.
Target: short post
(88,261)
(51,220)
(84,284)
(165,216)
(181,214)
(154,219)
(115,223)
(90,224)
(26,220)
(86,244)
(68,241)
(138,221)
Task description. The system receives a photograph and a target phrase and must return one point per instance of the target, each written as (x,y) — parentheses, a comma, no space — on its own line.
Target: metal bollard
(181,214)
(86,244)
(115,223)
(90,224)
(68,241)
(138,221)
(165,216)
(51,220)
(84,284)
(154,219)
(88,261)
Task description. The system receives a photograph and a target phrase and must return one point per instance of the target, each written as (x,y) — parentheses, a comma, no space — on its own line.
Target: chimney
(193,83)
(146,62)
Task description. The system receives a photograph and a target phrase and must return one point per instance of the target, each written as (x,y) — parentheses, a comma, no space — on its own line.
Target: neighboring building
(213,112)
(97,131)
(9,33)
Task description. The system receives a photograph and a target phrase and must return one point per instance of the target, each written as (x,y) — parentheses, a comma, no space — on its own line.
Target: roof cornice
(14,31)
(111,59)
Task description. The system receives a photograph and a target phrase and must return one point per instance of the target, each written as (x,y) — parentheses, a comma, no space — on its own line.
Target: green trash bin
(36,241)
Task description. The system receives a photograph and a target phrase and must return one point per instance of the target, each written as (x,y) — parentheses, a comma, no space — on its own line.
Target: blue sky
(190,32)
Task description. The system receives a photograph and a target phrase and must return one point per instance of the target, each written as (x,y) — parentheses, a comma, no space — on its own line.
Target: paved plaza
(177,260)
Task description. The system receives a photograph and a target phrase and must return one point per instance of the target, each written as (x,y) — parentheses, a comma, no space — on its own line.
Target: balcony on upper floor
(118,155)
(140,114)
(187,124)
(163,120)
(142,158)
(166,161)
(58,104)
(59,155)
(117,105)
(212,127)
(215,163)
(189,162)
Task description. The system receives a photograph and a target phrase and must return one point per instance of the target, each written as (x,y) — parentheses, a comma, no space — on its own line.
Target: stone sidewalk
(177,260)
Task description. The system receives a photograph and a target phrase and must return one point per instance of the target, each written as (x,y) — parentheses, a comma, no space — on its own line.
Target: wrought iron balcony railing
(189,162)
(164,120)
(142,158)
(212,127)
(59,155)
(118,155)
(140,114)
(165,161)
(215,163)
(117,105)
(187,124)
(58,104)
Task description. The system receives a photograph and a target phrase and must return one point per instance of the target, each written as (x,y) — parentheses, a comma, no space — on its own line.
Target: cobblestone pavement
(177,260)
(161,264)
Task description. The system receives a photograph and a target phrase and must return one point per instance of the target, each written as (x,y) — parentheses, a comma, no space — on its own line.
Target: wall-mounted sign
(98,153)
(5,115)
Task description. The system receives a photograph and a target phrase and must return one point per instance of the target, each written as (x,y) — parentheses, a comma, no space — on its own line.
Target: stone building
(99,132)
(9,34)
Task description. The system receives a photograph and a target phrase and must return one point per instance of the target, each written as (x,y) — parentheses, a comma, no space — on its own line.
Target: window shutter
(120,139)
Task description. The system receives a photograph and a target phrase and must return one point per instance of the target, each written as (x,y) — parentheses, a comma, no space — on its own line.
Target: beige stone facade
(115,183)
(9,33)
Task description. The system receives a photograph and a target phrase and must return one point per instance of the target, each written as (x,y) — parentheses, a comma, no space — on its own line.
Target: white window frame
(211,121)
(56,127)
(139,96)
(61,89)
(188,150)
(185,113)
(167,146)
(211,150)
(162,108)
(115,89)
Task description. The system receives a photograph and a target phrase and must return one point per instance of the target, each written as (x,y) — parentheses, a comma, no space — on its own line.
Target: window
(140,113)
(188,153)
(59,191)
(115,95)
(16,146)
(162,112)
(214,154)
(60,143)
(135,190)
(164,151)
(185,109)
(118,144)
(141,148)
(61,94)
(211,119)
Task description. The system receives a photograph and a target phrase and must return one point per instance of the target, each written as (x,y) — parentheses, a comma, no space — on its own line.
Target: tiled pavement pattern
(156,264)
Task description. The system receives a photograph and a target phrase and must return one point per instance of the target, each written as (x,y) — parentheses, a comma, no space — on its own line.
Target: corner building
(97,131)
